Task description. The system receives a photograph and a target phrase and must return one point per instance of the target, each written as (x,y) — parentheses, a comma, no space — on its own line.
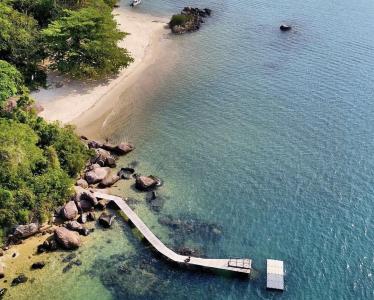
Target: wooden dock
(275,275)
(238,265)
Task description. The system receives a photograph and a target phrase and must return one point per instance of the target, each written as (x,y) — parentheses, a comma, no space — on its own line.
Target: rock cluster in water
(189,20)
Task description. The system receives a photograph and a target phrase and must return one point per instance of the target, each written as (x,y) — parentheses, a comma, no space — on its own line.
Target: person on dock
(187,259)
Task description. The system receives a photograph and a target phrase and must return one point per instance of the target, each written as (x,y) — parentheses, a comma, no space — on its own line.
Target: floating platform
(275,275)
(237,265)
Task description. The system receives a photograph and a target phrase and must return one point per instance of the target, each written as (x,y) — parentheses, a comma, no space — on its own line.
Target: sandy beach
(86,104)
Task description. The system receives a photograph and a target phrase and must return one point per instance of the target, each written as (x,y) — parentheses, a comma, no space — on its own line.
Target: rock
(120,149)
(285,27)
(94,145)
(106,219)
(1,252)
(188,20)
(83,194)
(103,158)
(125,173)
(75,226)
(50,244)
(69,257)
(91,216)
(102,204)
(96,175)
(38,265)
(82,183)
(82,218)
(24,231)
(19,279)
(2,274)
(2,292)
(84,138)
(208,11)
(109,180)
(70,211)
(145,183)
(67,239)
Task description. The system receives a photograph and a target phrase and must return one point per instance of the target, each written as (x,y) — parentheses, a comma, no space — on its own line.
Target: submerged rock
(126,173)
(67,239)
(2,292)
(19,279)
(24,231)
(38,265)
(106,219)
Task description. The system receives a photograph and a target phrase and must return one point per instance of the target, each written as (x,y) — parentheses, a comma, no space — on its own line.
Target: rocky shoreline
(189,20)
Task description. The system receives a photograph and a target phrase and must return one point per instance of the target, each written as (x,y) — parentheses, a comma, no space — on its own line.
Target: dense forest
(38,160)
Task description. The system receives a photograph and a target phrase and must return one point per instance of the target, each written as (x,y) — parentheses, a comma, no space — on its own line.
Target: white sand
(80,103)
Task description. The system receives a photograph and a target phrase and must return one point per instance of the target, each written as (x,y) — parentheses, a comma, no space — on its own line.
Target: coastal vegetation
(40,161)
(76,37)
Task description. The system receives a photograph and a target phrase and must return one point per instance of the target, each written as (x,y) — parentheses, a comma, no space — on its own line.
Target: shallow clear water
(267,135)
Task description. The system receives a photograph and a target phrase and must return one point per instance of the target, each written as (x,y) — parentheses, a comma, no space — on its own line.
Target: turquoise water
(269,135)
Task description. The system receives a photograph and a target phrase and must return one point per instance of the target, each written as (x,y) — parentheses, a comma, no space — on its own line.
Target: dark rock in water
(120,149)
(19,279)
(106,219)
(38,265)
(285,27)
(94,145)
(76,226)
(41,249)
(151,196)
(102,204)
(155,202)
(189,20)
(126,173)
(24,231)
(68,267)
(2,292)
(77,262)
(49,244)
(14,255)
(69,257)
(189,251)
(146,183)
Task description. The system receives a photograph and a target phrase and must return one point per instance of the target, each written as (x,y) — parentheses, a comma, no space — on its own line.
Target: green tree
(20,43)
(11,81)
(83,43)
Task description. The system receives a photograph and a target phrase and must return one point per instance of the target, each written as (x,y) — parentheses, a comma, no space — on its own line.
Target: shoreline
(87,104)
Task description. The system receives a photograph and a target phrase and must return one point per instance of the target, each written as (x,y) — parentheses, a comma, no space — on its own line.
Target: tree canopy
(83,43)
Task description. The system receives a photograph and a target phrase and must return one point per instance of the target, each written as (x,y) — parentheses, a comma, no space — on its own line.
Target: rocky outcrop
(106,219)
(285,27)
(24,231)
(67,239)
(189,20)
(145,183)
(70,211)
(97,174)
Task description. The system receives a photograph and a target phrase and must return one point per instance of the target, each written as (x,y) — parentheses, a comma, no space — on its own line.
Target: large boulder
(70,211)
(82,183)
(85,199)
(120,149)
(106,219)
(109,180)
(75,226)
(24,231)
(145,183)
(103,158)
(97,174)
(67,239)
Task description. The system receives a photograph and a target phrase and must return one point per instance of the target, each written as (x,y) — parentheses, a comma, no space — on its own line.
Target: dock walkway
(238,265)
